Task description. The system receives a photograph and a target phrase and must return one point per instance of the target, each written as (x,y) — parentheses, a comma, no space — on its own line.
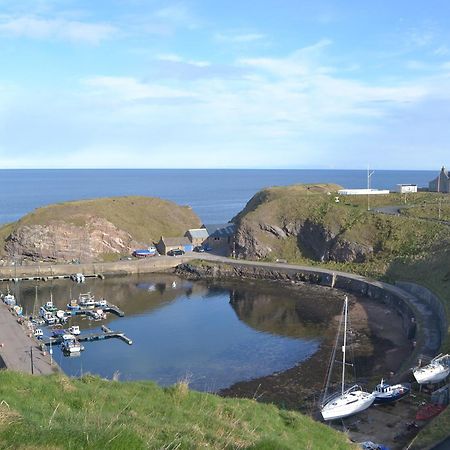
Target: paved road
(17,346)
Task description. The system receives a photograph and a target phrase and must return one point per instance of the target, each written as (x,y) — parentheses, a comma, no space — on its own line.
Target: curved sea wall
(420,322)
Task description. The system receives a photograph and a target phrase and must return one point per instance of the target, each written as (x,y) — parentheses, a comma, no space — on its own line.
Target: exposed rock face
(314,240)
(62,241)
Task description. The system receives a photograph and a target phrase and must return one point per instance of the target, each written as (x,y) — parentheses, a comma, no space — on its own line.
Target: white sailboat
(435,372)
(348,401)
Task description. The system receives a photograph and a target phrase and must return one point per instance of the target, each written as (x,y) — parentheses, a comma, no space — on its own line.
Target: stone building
(441,183)
(197,236)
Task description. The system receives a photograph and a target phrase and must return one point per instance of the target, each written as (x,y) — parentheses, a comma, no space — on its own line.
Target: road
(16,347)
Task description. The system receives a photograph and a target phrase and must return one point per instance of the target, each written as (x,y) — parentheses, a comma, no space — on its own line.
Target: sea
(216,195)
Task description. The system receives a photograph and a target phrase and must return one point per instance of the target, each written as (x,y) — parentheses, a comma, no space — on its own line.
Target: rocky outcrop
(61,241)
(313,239)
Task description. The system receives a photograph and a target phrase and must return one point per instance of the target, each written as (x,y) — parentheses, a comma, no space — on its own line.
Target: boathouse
(441,183)
(220,236)
(197,236)
(166,244)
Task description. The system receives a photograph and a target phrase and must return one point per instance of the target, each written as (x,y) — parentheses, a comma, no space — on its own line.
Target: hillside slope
(94,229)
(89,413)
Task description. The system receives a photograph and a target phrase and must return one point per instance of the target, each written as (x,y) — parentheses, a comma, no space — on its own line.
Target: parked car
(199,249)
(175,252)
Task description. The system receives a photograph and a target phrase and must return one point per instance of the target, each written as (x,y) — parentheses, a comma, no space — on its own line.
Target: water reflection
(213,334)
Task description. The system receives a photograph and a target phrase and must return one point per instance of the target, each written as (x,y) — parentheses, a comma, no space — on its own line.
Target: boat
(348,401)
(102,303)
(70,344)
(9,299)
(386,393)
(73,305)
(74,329)
(38,333)
(48,316)
(86,300)
(98,314)
(435,372)
(429,411)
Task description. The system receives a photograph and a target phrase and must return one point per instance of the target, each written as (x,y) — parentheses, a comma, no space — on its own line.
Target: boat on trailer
(387,393)
(348,401)
(435,372)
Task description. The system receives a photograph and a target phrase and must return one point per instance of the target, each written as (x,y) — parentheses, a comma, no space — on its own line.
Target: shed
(197,236)
(166,244)
(220,235)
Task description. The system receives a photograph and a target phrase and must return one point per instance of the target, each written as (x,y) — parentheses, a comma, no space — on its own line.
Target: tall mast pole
(345,342)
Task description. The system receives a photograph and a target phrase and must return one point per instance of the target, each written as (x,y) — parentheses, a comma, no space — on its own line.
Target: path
(17,346)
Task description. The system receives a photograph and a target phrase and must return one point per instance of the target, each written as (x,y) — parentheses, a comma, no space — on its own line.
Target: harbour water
(215,195)
(213,335)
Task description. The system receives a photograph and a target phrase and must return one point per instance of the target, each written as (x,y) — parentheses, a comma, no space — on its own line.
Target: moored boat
(86,300)
(70,344)
(9,299)
(386,393)
(74,329)
(435,372)
(348,401)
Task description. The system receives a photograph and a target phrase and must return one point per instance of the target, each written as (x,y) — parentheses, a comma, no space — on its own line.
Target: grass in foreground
(62,413)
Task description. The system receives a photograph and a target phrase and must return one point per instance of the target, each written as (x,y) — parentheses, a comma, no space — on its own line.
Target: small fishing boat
(9,299)
(70,344)
(74,329)
(348,401)
(435,372)
(73,305)
(386,393)
(429,411)
(102,303)
(49,306)
(48,316)
(99,314)
(86,300)
(38,333)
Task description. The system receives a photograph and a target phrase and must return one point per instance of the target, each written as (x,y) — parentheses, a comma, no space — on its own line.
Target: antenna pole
(345,342)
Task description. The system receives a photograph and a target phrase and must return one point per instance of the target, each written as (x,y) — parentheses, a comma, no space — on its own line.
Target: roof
(198,233)
(226,231)
(174,241)
(214,227)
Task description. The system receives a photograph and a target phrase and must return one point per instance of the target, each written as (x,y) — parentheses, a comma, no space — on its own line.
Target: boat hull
(347,405)
(431,375)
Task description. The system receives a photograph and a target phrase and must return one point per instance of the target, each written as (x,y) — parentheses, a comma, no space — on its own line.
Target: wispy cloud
(238,37)
(178,14)
(44,28)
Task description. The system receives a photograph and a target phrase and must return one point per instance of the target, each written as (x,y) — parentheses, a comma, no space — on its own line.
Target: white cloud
(239,37)
(131,89)
(172,57)
(59,28)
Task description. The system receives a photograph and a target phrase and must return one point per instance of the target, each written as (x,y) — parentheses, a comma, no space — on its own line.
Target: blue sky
(223,83)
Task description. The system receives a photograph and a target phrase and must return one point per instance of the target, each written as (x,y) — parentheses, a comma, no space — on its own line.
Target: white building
(363,192)
(406,188)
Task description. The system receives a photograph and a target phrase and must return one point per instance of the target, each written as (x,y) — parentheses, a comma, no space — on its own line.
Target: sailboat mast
(345,342)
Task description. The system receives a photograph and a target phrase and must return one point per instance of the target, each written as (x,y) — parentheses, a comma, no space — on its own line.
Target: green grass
(56,412)
(413,246)
(146,219)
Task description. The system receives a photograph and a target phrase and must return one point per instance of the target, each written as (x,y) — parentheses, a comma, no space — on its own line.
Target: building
(220,236)
(406,188)
(441,183)
(363,191)
(197,236)
(166,244)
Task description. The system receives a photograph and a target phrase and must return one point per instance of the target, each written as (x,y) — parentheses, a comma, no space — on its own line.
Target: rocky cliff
(311,222)
(94,229)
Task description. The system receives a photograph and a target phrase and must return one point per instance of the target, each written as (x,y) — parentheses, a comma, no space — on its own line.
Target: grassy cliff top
(89,413)
(144,218)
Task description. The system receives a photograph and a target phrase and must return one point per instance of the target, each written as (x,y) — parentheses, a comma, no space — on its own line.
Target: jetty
(82,311)
(107,333)
(16,279)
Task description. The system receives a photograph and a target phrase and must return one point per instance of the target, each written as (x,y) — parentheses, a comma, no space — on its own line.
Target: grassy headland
(303,224)
(142,219)
(62,413)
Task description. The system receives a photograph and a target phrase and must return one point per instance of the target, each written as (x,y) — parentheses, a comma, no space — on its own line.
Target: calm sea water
(214,335)
(215,195)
